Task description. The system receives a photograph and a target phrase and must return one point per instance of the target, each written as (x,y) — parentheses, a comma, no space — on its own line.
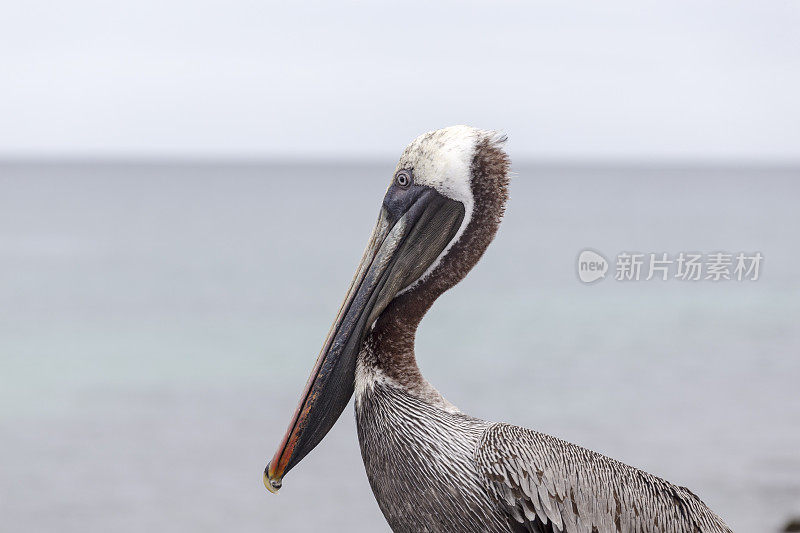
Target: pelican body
(431,467)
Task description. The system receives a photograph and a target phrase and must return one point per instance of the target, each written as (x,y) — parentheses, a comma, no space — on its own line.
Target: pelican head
(430,203)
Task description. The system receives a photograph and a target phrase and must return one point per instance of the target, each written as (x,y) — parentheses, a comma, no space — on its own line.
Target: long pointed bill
(414,227)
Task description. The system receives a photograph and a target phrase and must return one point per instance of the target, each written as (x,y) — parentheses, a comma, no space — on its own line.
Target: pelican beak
(272,485)
(414,227)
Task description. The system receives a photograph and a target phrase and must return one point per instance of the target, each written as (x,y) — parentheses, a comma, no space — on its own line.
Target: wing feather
(549,485)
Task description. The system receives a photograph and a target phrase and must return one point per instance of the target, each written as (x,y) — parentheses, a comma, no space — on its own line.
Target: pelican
(431,467)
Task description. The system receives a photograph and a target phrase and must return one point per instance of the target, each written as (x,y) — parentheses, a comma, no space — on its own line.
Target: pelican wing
(549,485)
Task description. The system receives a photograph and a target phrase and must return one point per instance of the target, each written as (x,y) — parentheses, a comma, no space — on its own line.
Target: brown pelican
(432,467)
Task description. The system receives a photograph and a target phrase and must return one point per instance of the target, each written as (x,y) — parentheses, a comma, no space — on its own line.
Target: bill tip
(272,485)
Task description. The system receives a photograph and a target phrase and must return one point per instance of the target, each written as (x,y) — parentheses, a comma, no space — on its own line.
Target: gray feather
(578,489)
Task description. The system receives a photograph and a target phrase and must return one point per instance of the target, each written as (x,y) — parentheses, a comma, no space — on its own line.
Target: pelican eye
(403,178)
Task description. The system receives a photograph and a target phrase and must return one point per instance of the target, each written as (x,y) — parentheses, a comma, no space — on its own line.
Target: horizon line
(374,160)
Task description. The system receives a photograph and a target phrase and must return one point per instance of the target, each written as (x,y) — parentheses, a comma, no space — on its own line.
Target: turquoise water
(158,321)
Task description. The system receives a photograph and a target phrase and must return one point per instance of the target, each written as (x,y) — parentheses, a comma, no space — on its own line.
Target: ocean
(158,322)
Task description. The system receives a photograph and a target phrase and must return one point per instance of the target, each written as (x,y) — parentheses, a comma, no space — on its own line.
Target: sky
(696,80)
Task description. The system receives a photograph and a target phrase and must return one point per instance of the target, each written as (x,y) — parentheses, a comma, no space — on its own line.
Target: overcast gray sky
(611,79)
